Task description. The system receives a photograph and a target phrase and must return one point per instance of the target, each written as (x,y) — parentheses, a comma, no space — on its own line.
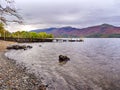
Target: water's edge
(94,64)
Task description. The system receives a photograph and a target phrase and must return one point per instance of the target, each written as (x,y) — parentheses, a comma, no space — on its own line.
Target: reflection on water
(63,63)
(94,64)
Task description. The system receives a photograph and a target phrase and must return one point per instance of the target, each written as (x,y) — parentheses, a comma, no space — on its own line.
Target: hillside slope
(104,30)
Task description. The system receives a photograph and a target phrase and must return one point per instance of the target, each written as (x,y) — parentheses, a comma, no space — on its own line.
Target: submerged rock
(81,40)
(17,47)
(29,46)
(63,58)
(40,45)
(42,87)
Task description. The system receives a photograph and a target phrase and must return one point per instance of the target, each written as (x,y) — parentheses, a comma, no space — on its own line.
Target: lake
(94,64)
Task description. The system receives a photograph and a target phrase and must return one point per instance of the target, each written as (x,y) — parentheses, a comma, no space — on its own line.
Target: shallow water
(94,64)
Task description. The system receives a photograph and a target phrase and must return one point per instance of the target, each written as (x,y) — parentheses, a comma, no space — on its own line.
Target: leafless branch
(8,10)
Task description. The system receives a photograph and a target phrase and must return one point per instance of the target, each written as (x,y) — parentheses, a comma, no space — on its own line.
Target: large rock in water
(29,46)
(17,47)
(63,58)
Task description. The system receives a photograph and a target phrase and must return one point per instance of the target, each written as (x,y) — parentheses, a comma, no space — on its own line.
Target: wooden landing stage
(67,40)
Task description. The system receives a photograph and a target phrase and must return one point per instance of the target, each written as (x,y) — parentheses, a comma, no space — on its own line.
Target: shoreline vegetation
(14,76)
(26,40)
(24,36)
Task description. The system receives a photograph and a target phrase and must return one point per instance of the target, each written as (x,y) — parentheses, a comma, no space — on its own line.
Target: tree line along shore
(23,34)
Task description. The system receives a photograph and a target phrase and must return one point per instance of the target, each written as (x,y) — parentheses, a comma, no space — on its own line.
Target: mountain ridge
(103,30)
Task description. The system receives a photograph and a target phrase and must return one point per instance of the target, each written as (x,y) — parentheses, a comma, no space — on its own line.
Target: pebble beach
(16,77)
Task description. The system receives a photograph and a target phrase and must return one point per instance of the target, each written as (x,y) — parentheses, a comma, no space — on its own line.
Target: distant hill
(104,30)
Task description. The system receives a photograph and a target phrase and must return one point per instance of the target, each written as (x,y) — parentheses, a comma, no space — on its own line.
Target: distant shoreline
(25,40)
(31,40)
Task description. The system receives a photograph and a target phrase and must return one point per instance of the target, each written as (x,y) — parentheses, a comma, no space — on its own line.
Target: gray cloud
(77,13)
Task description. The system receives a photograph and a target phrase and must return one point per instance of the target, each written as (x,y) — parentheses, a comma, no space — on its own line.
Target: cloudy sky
(59,13)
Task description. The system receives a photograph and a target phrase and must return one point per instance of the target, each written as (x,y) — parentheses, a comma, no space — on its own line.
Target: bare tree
(8,12)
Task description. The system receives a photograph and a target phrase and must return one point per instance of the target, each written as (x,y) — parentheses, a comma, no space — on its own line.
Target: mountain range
(103,30)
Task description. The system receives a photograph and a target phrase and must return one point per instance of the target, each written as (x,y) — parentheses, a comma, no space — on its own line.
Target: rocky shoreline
(14,76)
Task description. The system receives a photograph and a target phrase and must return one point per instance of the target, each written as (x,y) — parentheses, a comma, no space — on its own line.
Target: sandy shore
(4,44)
(16,77)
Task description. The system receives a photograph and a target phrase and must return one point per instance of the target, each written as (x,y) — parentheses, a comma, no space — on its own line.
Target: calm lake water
(94,64)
